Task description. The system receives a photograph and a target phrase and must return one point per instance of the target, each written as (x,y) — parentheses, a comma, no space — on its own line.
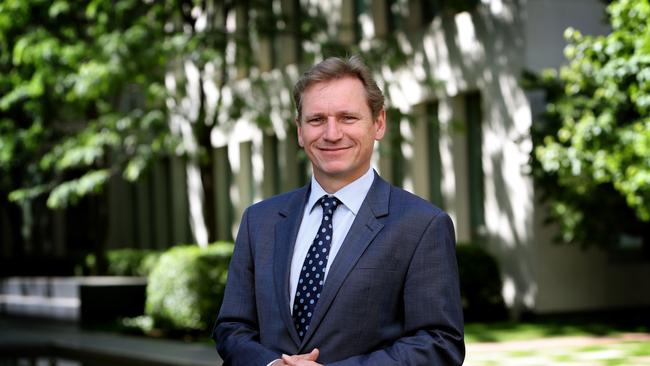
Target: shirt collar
(352,195)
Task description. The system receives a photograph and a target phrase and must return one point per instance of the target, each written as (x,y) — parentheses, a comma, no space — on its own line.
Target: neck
(334,184)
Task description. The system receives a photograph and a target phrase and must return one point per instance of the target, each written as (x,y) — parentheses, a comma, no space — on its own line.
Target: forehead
(345,93)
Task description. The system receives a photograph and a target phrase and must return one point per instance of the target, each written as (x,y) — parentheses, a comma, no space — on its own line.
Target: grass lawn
(518,331)
(556,343)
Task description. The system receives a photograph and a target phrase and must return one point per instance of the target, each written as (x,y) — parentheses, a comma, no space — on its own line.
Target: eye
(315,120)
(349,118)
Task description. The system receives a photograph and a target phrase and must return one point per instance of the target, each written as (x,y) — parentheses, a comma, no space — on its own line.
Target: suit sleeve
(236,331)
(433,320)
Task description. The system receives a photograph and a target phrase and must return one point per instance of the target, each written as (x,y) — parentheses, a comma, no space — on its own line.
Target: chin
(334,170)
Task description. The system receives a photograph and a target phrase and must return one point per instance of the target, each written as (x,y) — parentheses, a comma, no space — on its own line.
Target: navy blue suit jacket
(391,296)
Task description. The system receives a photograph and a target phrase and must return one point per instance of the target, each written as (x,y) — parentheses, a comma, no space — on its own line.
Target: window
(432,132)
(223,178)
(293,162)
(349,28)
(473,120)
(421,13)
(271,181)
(391,158)
(426,167)
(463,160)
(287,50)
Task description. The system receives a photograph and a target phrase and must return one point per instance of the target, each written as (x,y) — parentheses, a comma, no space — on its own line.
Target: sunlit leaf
(592,158)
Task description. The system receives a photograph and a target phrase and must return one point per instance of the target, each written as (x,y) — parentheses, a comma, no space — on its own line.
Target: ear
(299,129)
(380,125)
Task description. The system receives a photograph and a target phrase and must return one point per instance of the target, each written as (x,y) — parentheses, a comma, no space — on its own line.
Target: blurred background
(133,134)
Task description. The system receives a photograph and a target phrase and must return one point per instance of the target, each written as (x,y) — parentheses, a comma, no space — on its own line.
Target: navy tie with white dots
(312,274)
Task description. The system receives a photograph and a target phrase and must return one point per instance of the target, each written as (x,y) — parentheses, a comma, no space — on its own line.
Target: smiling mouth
(333,149)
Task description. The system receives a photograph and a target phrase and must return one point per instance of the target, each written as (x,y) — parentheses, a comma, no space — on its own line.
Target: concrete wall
(545,22)
(483,52)
(572,279)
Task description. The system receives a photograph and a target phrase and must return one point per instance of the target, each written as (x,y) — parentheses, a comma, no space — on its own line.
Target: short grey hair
(336,68)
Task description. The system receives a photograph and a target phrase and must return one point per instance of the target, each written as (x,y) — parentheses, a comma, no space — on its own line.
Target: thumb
(313,355)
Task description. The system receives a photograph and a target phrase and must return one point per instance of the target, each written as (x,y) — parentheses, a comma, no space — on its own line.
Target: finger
(298,362)
(289,360)
(313,355)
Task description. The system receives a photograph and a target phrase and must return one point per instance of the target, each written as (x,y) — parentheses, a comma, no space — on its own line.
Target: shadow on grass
(534,327)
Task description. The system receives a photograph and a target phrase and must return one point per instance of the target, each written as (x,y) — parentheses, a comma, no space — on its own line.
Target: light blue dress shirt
(351,196)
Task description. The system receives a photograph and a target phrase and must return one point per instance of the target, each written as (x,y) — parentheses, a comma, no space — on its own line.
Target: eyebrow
(318,114)
(338,114)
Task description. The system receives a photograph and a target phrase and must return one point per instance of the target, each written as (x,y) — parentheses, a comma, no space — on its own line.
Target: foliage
(131,262)
(592,149)
(186,287)
(87,90)
(480,284)
(82,94)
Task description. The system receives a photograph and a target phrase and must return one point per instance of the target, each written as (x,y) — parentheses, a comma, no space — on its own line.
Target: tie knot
(329,203)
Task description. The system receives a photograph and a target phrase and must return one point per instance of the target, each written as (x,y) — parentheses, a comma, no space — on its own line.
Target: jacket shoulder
(281,202)
(405,201)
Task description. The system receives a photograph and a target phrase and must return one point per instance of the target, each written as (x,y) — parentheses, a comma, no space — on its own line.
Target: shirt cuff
(271,363)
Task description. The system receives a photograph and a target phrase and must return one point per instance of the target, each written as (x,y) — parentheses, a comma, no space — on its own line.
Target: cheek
(307,136)
(301,140)
(367,141)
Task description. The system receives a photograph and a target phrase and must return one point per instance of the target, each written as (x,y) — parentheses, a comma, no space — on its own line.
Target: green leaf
(134,168)
(70,191)
(59,7)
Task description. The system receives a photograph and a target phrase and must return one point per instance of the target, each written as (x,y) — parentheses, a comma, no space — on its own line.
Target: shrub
(186,287)
(131,262)
(480,284)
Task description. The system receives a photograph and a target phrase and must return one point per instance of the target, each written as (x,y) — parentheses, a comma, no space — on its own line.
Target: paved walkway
(627,349)
(20,337)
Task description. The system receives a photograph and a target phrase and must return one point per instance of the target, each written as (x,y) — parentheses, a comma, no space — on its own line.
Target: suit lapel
(363,230)
(285,237)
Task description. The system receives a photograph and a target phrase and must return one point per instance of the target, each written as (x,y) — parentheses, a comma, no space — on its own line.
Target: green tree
(592,149)
(80,97)
(83,95)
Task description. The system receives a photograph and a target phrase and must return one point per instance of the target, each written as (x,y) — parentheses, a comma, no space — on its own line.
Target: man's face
(337,131)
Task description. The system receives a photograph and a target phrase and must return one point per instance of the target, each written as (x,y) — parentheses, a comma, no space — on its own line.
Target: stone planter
(77,299)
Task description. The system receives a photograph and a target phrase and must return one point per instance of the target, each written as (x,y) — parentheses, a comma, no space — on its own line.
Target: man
(347,270)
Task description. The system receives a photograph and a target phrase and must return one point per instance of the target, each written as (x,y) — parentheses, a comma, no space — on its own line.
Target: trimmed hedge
(131,262)
(186,286)
(480,284)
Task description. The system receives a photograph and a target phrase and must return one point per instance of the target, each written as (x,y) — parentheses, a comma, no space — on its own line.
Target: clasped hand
(306,359)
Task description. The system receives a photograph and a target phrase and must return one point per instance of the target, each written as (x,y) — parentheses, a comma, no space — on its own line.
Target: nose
(332,130)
